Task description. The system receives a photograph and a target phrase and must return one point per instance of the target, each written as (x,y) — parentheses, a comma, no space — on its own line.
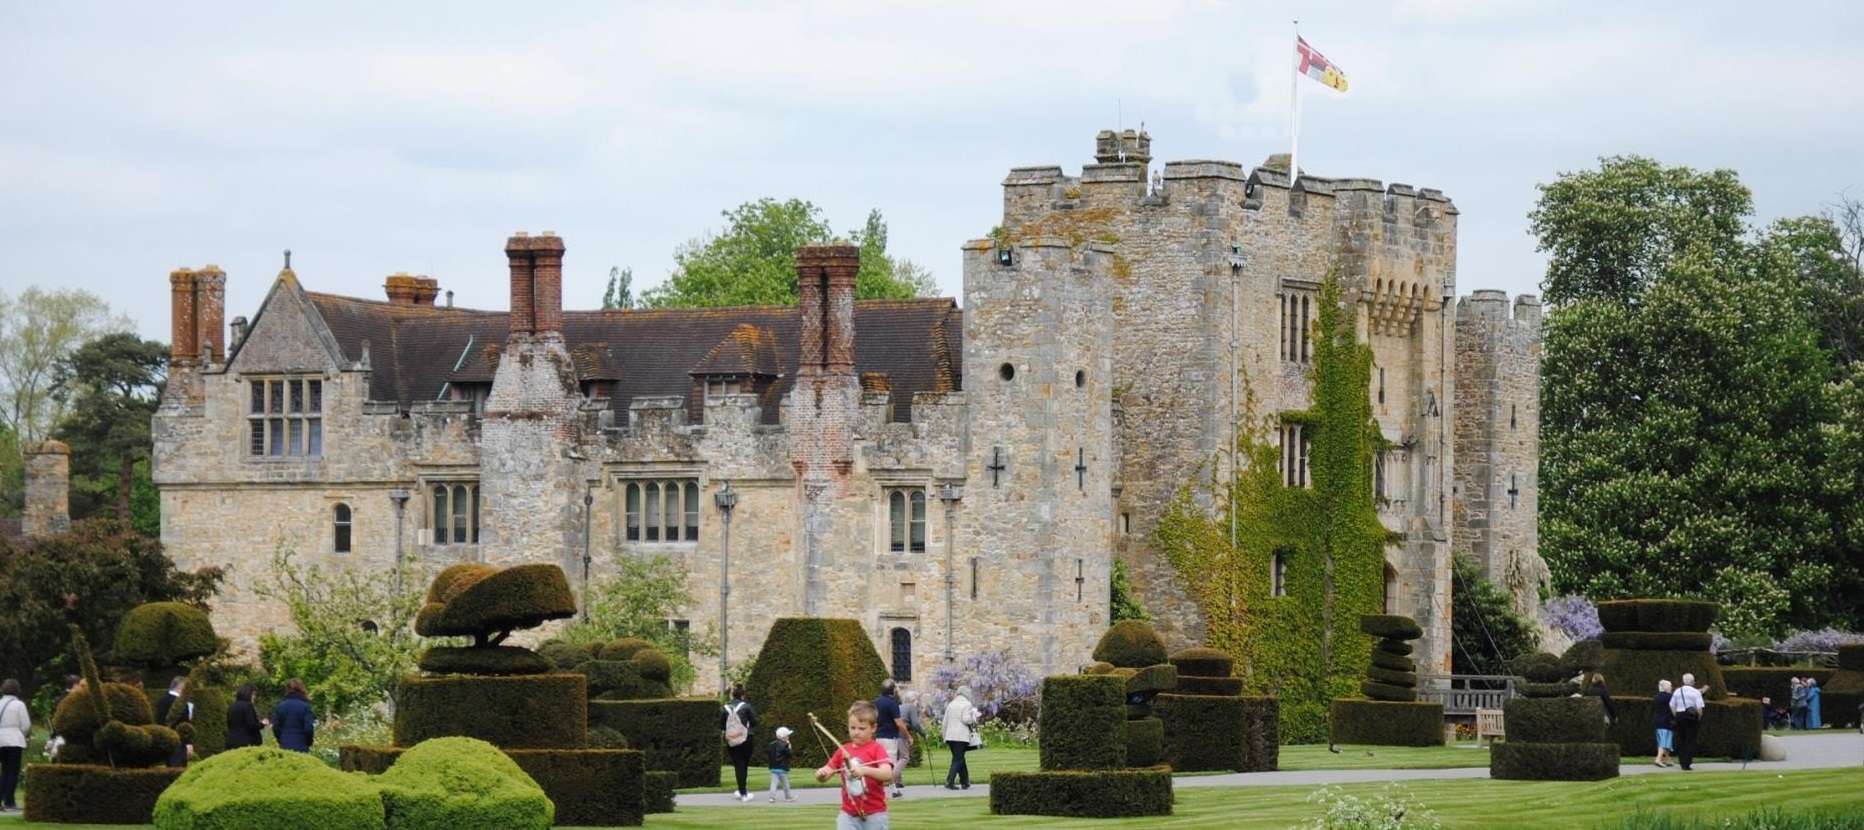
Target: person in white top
(1686,708)
(960,723)
(15,727)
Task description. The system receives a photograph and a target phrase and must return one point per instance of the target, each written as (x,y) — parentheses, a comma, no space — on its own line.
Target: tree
(753,262)
(620,293)
(37,330)
(353,631)
(108,567)
(640,600)
(1485,629)
(111,387)
(1122,603)
(1657,479)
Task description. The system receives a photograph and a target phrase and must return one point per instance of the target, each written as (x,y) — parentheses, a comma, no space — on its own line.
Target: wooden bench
(1489,725)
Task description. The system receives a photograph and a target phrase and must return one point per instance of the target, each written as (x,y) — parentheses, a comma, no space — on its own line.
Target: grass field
(1465,803)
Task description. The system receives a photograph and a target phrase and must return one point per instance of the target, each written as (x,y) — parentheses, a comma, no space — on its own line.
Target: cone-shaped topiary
(1131,644)
(811,664)
(487,604)
(164,634)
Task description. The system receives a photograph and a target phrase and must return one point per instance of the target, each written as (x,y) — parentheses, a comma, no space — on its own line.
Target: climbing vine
(1224,535)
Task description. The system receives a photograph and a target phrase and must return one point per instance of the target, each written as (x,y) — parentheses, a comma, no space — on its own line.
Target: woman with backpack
(738,720)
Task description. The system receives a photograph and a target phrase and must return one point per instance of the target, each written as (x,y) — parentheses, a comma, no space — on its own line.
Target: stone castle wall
(1498,442)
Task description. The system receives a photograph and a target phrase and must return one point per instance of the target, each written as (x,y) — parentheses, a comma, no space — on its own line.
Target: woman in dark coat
(1597,689)
(292,722)
(1660,715)
(243,722)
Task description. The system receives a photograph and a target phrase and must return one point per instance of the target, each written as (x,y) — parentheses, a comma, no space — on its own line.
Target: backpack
(735,733)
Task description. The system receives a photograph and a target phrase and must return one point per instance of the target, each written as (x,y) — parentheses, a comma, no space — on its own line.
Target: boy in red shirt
(866,769)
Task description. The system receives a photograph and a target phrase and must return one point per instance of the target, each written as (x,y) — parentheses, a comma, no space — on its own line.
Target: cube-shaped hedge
(1205,733)
(658,790)
(678,734)
(1558,720)
(1657,615)
(1523,761)
(1083,722)
(1637,672)
(810,664)
(1386,723)
(1730,728)
(1082,794)
(539,711)
(87,794)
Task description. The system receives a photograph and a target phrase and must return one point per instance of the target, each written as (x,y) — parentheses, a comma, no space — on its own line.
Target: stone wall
(1498,442)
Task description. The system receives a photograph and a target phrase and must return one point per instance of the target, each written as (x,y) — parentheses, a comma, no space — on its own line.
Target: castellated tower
(1498,442)
(526,469)
(1216,275)
(1040,450)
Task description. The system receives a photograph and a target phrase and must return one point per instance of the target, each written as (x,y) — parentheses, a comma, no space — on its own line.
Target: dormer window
(719,386)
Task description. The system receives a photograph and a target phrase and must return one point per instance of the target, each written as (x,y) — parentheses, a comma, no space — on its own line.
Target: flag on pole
(1317,67)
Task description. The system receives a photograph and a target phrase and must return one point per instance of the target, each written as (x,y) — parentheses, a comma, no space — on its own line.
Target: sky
(371,138)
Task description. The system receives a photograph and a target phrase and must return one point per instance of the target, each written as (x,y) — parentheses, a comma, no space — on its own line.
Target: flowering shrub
(1391,809)
(1572,615)
(1002,687)
(1825,640)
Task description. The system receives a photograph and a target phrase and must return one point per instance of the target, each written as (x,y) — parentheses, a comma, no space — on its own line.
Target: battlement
(1492,306)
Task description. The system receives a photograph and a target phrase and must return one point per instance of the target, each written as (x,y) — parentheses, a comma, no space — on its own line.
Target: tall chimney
(825,285)
(523,288)
(210,302)
(401,289)
(48,490)
(547,296)
(184,323)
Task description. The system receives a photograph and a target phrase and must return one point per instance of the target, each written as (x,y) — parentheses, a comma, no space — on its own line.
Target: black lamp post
(725,500)
(588,499)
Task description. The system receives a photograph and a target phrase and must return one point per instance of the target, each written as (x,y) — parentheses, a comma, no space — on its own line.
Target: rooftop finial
(287,259)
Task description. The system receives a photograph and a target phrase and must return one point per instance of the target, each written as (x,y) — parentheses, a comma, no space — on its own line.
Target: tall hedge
(89,794)
(679,735)
(538,711)
(1730,728)
(1387,723)
(811,664)
(1083,722)
(1206,733)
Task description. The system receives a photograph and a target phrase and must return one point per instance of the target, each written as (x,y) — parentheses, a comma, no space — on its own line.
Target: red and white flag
(1317,67)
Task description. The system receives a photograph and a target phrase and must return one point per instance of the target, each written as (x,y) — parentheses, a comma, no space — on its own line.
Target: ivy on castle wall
(1223,536)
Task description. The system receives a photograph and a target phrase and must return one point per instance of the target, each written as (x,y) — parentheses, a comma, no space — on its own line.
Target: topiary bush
(1083,722)
(590,787)
(623,648)
(1386,723)
(497,661)
(566,656)
(1388,692)
(164,634)
(1203,662)
(809,664)
(658,791)
(1131,644)
(539,711)
(1657,640)
(1211,686)
(1112,793)
(1556,720)
(1204,733)
(259,788)
(1390,626)
(1522,761)
(451,783)
(680,735)
(487,604)
(70,793)
(1730,728)
(1145,742)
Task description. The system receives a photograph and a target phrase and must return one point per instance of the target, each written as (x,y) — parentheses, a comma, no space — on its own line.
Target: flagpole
(1294,110)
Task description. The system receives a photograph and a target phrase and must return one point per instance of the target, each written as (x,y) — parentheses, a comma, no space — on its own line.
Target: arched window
(906,520)
(456,514)
(662,511)
(340,520)
(902,655)
(1391,590)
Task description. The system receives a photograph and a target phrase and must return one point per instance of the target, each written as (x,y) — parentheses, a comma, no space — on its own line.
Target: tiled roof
(416,351)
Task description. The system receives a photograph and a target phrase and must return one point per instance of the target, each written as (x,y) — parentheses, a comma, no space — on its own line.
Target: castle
(958,478)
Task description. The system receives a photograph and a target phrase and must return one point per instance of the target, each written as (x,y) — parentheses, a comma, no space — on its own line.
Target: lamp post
(725,500)
(950,494)
(401,503)
(588,499)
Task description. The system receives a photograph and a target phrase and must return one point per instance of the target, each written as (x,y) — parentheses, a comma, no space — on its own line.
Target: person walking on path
(1798,703)
(892,730)
(1686,711)
(244,726)
(960,723)
(781,754)
(15,728)
(1813,718)
(738,721)
(1597,689)
(1661,717)
(293,725)
(916,731)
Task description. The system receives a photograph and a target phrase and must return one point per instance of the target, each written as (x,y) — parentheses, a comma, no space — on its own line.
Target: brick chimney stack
(210,302)
(536,283)
(825,285)
(184,347)
(405,289)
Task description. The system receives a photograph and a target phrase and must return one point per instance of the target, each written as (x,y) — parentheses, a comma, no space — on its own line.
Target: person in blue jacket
(292,722)
(1813,720)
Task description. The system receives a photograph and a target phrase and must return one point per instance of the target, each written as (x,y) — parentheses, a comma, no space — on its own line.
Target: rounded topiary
(607,737)
(1204,662)
(462,782)
(1583,656)
(1405,679)
(1540,667)
(654,665)
(1131,644)
(77,719)
(258,787)
(623,648)
(487,604)
(1390,626)
(498,661)
(1398,648)
(164,634)
(565,656)
(1393,662)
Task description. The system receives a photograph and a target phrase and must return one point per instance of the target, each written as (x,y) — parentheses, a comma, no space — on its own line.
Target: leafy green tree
(620,292)
(1486,632)
(105,568)
(352,634)
(111,386)
(753,262)
(37,330)
(1683,403)
(639,600)
(1123,603)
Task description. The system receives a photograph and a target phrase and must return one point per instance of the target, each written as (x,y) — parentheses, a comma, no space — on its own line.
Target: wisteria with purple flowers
(1572,615)
(1826,640)
(997,680)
